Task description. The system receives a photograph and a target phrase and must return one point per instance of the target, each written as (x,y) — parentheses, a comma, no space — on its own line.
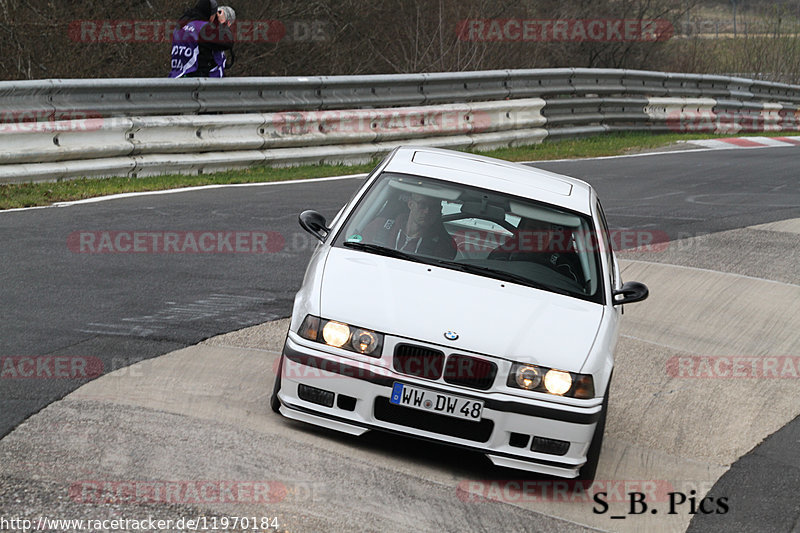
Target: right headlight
(558,382)
(341,335)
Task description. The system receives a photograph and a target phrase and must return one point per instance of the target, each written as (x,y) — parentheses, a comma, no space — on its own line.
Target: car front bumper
(354,398)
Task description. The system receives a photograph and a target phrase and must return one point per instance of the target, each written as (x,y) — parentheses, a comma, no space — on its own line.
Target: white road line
(180,190)
(654,343)
(742,276)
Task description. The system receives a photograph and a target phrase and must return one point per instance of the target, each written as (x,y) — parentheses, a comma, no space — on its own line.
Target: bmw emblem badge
(450,335)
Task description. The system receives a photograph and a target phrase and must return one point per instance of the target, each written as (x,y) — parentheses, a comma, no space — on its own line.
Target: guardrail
(55,129)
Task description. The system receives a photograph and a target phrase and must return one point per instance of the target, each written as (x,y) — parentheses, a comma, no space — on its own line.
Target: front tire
(589,470)
(274,401)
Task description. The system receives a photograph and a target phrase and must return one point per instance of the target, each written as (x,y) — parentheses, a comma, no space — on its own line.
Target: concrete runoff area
(702,376)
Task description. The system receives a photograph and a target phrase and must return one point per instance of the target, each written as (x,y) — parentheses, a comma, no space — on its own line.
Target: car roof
(493,174)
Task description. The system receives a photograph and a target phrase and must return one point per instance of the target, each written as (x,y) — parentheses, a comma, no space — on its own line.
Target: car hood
(422,302)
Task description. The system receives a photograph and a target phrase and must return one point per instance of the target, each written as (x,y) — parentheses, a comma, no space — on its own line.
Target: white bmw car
(465,300)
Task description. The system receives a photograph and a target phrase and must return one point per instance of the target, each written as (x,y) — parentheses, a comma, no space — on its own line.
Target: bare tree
(390,36)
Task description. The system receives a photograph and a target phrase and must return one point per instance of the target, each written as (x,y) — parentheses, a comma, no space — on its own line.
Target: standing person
(200,40)
(225,18)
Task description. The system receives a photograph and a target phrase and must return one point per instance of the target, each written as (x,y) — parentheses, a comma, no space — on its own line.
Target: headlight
(528,377)
(365,341)
(542,379)
(336,333)
(341,335)
(557,382)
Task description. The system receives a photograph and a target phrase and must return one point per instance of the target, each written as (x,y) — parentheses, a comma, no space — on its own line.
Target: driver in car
(420,231)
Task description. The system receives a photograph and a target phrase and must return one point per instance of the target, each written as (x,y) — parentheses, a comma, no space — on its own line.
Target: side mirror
(631,291)
(314,223)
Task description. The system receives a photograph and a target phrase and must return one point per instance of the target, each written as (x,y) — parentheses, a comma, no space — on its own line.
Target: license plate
(436,402)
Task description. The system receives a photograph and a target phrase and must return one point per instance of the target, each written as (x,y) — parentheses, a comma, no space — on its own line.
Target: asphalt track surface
(122,308)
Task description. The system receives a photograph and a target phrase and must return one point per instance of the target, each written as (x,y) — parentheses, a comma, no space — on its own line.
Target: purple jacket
(198,50)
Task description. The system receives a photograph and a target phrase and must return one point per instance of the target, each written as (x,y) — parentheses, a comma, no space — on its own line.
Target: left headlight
(341,335)
(558,382)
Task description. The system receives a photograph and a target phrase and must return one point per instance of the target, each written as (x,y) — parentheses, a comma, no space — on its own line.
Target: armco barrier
(124,97)
(62,140)
(55,129)
(159,96)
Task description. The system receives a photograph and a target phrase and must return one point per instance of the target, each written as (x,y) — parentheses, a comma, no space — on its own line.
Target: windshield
(481,232)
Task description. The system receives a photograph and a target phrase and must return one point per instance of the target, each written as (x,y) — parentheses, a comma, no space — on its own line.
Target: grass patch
(39,194)
(46,193)
(595,146)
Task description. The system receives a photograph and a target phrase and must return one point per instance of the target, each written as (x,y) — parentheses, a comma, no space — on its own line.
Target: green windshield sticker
(355,238)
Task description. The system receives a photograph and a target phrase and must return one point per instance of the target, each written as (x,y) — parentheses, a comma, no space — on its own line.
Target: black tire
(589,470)
(274,401)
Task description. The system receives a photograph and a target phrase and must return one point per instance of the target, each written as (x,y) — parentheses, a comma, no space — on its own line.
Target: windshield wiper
(472,269)
(383,250)
(502,275)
